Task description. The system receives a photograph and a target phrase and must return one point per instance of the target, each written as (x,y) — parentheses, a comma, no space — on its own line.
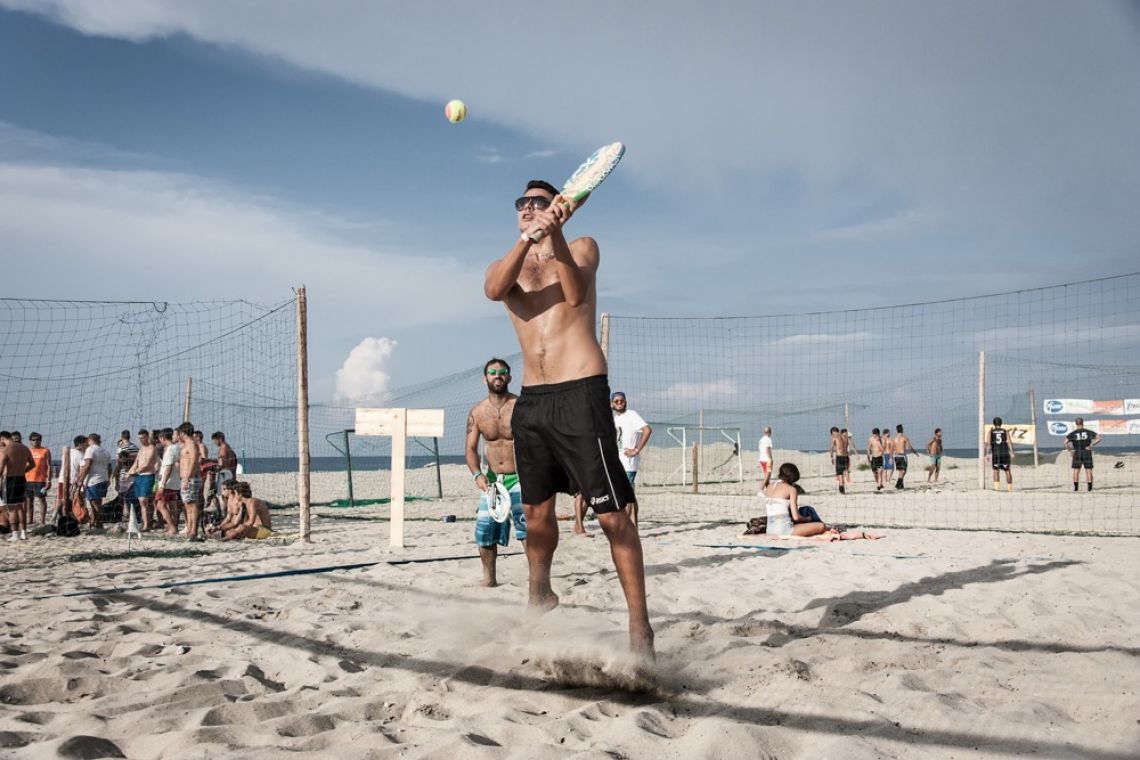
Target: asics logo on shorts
(599,500)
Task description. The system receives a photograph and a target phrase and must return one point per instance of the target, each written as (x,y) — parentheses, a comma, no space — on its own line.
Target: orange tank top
(39,473)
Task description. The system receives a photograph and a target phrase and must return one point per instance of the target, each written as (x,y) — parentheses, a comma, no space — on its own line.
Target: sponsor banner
(1020,435)
(1088,406)
(1104,427)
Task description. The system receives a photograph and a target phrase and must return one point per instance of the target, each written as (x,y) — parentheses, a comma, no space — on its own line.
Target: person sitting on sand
(256,522)
(782,506)
(233,515)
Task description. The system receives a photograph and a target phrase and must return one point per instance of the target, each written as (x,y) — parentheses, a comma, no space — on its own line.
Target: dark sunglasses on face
(493,372)
(538,202)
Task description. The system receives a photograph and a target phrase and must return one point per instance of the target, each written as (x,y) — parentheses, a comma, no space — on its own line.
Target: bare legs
(541,541)
(625,548)
(488,555)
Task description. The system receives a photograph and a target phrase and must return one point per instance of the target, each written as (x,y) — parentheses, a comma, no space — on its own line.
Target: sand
(932,644)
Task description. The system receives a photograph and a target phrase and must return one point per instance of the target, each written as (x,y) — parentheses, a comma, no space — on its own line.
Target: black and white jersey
(999,439)
(1081,438)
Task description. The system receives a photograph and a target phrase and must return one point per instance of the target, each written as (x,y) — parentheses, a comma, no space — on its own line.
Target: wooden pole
(399,447)
(982,420)
(846,420)
(186,402)
(696,459)
(1033,422)
(303,411)
(605,339)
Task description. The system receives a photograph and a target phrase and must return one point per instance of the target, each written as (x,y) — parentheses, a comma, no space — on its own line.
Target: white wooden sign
(421,423)
(399,424)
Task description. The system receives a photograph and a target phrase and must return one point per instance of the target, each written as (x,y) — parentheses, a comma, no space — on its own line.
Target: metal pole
(348,456)
(1033,422)
(846,420)
(438,475)
(303,411)
(982,420)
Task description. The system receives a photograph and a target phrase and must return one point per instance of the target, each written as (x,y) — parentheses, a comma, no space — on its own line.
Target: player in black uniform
(1080,442)
(1001,453)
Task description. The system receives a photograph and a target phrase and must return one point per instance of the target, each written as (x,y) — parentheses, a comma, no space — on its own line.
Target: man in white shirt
(95,477)
(765,459)
(633,434)
(169,502)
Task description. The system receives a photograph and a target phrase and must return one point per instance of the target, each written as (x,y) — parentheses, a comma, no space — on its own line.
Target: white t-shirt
(74,462)
(170,460)
(100,461)
(629,424)
(766,449)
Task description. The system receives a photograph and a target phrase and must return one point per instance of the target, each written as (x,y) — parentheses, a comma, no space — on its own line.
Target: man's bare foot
(543,602)
(580,531)
(641,642)
(489,583)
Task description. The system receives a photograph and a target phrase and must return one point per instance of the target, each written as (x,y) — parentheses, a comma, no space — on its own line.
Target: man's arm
(471,452)
(644,433)
(1096,439)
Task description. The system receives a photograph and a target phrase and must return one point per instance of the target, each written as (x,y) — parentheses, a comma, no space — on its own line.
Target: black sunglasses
(538,202)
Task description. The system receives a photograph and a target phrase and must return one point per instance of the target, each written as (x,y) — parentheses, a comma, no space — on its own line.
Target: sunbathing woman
(782,506)
(784,517)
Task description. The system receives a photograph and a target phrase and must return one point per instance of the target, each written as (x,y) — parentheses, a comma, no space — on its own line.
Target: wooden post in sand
(186,401)
(399,424)
(1033,422)
(303,411)
(982,420)
(696,465)
(604,340)
(846,420)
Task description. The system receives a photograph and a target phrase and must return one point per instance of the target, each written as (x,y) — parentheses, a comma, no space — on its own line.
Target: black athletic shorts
(900,462)
(1001,459)
(15,490)
(876,464)
(1082,458)
(841,465)
(565,440)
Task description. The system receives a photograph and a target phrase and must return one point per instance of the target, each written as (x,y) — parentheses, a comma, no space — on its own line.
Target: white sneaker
(23,535)
(13,537)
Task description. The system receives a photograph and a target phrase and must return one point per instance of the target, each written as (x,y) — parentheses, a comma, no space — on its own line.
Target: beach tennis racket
(498,502)
(588,176)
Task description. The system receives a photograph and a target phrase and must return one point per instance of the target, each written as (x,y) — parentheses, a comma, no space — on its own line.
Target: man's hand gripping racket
(583,182)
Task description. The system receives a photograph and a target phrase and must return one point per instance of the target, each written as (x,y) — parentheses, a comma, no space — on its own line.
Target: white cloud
(97,233)
(541,153)
(894,227)
(364,376)
(952,106)
(824,339)
(686,393)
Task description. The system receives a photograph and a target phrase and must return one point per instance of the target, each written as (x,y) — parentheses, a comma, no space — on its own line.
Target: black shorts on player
(900,462)
(1082,458)
(876,464)
(841,465)
(565,440)
(1001,459)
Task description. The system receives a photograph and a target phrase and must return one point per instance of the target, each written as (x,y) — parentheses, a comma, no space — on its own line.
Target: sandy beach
(923,644)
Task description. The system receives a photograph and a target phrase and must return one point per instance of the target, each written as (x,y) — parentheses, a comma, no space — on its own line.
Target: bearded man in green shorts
(490,420)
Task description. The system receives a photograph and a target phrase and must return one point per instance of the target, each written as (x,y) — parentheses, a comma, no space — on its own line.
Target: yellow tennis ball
(455,111)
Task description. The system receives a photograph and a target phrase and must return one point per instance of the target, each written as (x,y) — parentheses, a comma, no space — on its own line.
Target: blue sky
(781,158)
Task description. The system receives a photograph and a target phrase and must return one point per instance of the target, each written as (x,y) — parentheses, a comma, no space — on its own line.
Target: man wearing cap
(632,436)
(1081,442)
